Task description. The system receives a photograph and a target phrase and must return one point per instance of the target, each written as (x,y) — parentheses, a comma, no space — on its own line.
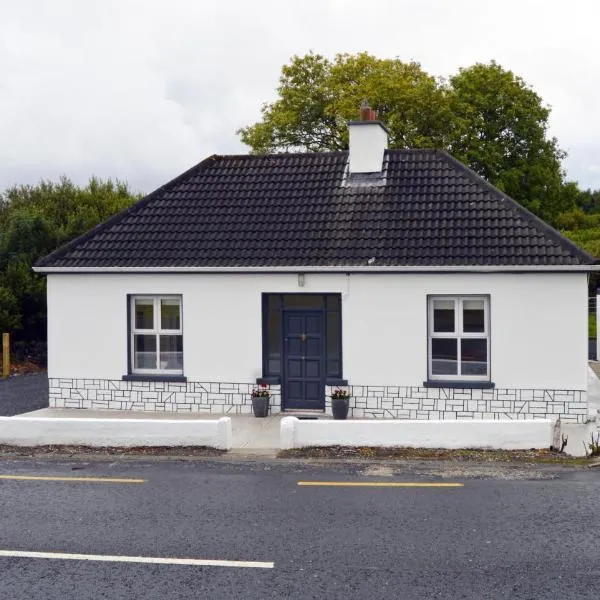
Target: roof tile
(303,210)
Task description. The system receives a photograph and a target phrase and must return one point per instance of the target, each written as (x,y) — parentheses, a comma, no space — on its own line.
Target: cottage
(398,273)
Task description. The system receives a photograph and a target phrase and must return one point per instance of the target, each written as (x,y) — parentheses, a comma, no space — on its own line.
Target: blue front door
(303,382)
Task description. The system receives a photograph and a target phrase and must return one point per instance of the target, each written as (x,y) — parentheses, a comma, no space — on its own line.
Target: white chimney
(368,142)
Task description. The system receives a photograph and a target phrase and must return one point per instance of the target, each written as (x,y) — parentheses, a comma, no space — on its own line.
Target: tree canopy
(485,116)
(34,221)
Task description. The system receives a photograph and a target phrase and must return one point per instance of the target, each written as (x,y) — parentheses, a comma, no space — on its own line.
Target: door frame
(323,357)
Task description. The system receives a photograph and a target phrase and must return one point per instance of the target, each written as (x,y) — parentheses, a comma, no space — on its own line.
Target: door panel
(312,347)
(295,368)
(294,346)
(303,382)
(312,368)
(295,324)
(313,324)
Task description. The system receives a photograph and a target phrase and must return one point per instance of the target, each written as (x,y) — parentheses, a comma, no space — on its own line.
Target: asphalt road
(489,539)
(23,393)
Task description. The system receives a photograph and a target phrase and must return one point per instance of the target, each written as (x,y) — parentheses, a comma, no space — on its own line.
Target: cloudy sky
(143,89)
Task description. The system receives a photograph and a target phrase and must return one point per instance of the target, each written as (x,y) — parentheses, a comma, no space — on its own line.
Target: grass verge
(134,451)
(370,452)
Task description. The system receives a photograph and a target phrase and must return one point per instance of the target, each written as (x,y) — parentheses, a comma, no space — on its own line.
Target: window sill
(465,385)
(276,380)
(273,380)
(171,378)
(336,381)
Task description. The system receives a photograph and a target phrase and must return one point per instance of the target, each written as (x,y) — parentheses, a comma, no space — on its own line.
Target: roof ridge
(280,154)
(117,218)
(326,153)
(533,219)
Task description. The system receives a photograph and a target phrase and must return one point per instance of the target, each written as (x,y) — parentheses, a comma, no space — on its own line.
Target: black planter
(339,407)
(260,406)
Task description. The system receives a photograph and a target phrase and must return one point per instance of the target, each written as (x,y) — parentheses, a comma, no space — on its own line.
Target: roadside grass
(6,450)
(533,456)
(463,455)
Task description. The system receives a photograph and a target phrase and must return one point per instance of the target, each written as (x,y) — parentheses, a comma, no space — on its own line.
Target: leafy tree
(485,115)
(34,221)
(9,311)
(588,200)
(500,129)
(318,96)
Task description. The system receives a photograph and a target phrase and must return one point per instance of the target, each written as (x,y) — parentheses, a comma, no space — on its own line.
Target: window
(156,335)
(459,340)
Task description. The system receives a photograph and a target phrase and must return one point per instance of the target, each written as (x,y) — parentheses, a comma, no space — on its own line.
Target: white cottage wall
(538,325)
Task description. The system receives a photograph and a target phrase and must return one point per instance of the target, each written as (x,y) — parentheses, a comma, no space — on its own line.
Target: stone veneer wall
(381,402)
(393,402)
(211,398)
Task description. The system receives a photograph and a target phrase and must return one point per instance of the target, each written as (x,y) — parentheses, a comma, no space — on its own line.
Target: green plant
(261,392)
(594,445)
(592,326)
(340,394)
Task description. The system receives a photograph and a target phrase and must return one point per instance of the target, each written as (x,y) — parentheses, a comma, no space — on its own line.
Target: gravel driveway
(23,393)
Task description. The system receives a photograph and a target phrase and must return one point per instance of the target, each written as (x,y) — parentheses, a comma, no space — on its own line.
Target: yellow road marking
(153,560)
(73,479)
(391,484)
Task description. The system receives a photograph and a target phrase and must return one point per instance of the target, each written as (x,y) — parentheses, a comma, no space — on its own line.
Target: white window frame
(156,331)
(458,334)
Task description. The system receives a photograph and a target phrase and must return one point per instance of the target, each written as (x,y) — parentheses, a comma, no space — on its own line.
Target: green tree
(485,116)
(10,315)
(318,96)
(500,129)
(34,221)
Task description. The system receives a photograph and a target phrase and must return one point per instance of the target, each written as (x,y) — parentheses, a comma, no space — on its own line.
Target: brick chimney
(368,142)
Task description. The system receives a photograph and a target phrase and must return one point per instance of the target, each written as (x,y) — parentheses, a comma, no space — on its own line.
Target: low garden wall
(39,431)
(498,434)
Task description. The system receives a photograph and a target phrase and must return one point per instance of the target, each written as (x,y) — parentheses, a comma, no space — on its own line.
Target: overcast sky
(142,90)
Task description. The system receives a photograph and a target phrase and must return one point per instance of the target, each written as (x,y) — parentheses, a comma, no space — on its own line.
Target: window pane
(333,301)
(144,355)
(274,301)
(144,313)
(171,352)
(473,316)
(444,360)
(273,367)
(334,368)
(170,314)
(274,335)
(473,357)
(303,301)
(443,316)
(334,335)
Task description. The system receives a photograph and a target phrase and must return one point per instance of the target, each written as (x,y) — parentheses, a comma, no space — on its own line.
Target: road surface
(115,528)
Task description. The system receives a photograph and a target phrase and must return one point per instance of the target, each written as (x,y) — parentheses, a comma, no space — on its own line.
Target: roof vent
(368,142)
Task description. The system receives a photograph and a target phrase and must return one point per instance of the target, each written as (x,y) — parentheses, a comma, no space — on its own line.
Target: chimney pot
(365,111)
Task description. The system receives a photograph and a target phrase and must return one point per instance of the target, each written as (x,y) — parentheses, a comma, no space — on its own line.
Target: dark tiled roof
(301,209)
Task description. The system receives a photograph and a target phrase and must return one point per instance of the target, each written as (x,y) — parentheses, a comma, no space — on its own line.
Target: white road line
(195,562)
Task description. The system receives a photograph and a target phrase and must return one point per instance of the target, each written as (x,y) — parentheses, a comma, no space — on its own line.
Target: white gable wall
(538,324)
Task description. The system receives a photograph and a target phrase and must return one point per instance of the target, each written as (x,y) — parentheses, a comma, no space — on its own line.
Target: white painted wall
(538,324)
(103,433)
(476,433)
